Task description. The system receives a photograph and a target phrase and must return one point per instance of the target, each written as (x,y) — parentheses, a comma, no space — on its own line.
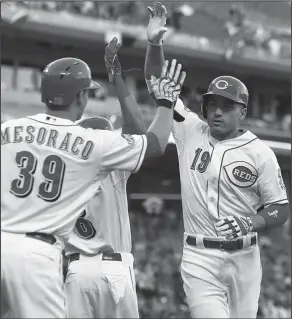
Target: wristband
(155,44)
(112,73)
(165,103)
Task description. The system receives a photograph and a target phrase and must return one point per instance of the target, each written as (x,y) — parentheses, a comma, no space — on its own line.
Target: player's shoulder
(262,146)
(105,136)
(185,116)
(13,122)
(262,149)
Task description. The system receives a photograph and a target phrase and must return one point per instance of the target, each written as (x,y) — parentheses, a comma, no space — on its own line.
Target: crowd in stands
(271,116)
(235,27)
(129,12)
(157,248)
(241,33)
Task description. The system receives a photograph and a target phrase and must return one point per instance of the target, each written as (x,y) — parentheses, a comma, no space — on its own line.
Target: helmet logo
(222,85)
(62,74)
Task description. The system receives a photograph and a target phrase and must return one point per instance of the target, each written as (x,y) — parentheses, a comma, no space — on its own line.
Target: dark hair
(53,107)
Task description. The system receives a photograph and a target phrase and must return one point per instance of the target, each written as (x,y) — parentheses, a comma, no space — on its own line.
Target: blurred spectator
(286,123)
(270,113)
(240,28)
(176,13)
(242,32)
(13,14)
(101,93)
(153,205)
(234,27)
(36,79)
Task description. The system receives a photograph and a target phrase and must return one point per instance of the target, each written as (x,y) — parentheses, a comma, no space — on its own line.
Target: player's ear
(243,113)
(79,99)
(82,98)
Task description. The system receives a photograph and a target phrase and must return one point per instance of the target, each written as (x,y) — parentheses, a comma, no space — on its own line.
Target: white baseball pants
(221,284)
(97,288)
(31,278)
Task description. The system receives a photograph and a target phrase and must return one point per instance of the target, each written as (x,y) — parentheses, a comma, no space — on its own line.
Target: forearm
(270,217)
(154,61)
(132,116)
(158,132)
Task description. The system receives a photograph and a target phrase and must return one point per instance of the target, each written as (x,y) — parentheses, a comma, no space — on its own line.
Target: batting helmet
(228,87)
(97,123)
(63,79)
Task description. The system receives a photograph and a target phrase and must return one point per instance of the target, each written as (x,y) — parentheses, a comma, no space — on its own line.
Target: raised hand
(156,26)
(168,86)
(111,59)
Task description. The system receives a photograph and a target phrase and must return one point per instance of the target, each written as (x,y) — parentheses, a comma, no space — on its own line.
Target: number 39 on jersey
(53,171)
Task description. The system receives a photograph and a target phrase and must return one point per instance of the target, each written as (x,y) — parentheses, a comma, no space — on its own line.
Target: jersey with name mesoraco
(222,178)
(51,168)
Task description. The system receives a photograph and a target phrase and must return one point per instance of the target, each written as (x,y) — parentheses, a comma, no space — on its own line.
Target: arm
(132,116)
(158,133)
(127,152)
(270,217)
(166,91)
(276,207)
(156,29)
(273,193)
(154,59)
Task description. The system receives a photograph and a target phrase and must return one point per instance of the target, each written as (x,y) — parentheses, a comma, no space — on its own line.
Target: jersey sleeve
(123,174)
(271,184)
(122,151)
(185,124)
(120,180)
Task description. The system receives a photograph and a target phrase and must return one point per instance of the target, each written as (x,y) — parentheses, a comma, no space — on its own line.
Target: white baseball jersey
(222,178)
(50,168)
(104,225)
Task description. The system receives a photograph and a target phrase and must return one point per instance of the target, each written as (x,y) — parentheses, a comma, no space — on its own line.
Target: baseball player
(50,169)
(226,174)
(100,280)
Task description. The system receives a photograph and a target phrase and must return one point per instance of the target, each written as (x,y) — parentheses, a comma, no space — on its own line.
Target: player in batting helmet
(225,104)
(228,87)
(63,82)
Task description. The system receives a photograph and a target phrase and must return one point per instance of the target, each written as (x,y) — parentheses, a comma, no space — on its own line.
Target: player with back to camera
(100,282)
(226,175)
(50,169)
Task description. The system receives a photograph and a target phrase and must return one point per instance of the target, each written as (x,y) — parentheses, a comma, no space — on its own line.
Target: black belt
(105,256)
(228,245)
(50,239)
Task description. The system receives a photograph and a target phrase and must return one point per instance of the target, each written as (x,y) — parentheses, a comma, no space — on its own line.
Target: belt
(50,239)
(105,256)
(228,245)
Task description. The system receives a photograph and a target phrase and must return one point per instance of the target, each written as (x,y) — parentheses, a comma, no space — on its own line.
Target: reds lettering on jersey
(104,224)
(50,170)
(243,175)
